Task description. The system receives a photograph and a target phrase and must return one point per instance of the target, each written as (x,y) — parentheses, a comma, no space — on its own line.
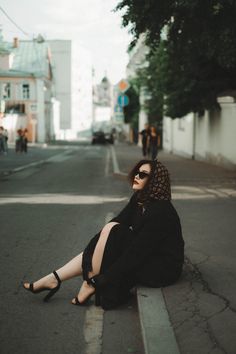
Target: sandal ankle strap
(57,277)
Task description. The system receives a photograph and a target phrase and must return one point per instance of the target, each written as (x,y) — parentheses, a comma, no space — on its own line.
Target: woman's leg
(71,269)
(154,152)
(99,249)
(74,267)
(86,289)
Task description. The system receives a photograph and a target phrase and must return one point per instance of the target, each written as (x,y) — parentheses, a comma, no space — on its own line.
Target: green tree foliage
(197,59)
(131,111)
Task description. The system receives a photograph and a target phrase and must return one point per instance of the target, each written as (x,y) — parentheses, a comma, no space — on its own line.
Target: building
(102,101)
(26,88)
(137,61)
(72,78)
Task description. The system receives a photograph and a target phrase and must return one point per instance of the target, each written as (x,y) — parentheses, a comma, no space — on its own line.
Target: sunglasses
(141,175)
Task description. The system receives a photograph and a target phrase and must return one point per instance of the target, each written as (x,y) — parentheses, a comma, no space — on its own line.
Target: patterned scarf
(158,187)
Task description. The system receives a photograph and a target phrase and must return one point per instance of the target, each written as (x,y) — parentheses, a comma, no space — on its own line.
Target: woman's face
(141,177)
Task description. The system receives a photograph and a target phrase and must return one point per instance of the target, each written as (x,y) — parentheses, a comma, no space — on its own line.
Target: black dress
(145,248)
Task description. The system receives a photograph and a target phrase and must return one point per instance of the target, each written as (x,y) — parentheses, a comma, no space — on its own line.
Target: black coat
(145,248)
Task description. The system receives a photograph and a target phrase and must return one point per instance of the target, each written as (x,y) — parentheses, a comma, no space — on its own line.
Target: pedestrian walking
(145,134)
(3,141)
(153,142)
(24,143)
(142,245)
(18,142)
(5,133)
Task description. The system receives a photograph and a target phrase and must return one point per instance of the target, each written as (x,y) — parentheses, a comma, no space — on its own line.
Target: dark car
(99,137)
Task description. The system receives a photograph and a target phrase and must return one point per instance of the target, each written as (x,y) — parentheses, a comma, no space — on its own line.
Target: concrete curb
(157,332)
(35,163)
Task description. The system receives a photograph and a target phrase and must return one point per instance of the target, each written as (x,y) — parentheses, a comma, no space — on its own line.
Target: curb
(158,334)
(36,163)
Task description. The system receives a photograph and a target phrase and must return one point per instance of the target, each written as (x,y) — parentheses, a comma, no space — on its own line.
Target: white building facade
(72,77)
(137,60)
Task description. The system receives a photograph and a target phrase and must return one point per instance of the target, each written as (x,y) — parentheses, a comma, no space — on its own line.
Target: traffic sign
(123,85)
(123,100)
(118,108)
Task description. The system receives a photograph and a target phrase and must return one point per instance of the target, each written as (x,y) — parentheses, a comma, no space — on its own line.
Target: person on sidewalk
(3,141)
(18,142)
(145,135)
(24,144)
(153,142)
(142,245)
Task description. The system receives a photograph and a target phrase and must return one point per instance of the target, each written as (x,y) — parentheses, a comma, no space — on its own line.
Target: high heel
(93,283)
(84,303)
(51,291)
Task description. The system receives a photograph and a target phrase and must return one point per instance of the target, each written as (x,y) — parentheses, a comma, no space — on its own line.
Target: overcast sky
(91,22)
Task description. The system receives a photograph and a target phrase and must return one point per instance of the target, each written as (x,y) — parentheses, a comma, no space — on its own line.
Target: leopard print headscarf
(158,186)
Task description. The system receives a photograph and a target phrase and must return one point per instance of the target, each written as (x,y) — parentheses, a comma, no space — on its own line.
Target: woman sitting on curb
(143,245)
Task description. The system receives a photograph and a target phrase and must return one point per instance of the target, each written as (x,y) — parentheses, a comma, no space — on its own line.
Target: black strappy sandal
(51,291)
(90,281)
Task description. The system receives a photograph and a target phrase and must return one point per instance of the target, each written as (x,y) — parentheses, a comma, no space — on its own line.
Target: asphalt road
(48,213)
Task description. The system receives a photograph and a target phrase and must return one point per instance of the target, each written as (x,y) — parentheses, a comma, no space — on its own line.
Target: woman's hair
(136,168)
(158,183)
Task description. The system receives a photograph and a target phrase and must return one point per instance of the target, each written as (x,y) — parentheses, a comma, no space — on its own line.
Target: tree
(197,59)
(131,111)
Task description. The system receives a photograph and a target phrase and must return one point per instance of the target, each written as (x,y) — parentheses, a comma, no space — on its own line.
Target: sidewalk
(199,315)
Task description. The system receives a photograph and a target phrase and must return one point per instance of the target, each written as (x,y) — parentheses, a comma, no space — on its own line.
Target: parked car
(99,137)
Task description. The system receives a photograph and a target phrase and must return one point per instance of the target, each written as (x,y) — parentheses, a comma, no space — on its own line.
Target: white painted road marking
(93,324)
(116,168)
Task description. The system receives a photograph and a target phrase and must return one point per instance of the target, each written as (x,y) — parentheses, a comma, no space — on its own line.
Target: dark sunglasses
(141,175)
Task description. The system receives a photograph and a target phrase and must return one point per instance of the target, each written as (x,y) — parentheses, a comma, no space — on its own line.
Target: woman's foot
(86,291)
(47,282)
(50,283)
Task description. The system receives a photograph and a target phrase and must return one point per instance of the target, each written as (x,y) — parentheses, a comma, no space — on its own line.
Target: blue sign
(118,109)
(123,100)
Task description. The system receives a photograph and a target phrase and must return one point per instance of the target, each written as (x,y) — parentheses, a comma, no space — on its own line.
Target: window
(6,90)
(15,108)
(25,91)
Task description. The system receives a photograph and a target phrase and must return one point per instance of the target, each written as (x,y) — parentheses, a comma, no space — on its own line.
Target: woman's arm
(125,215)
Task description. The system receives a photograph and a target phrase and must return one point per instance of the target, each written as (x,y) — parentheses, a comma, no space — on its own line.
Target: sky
(91,22)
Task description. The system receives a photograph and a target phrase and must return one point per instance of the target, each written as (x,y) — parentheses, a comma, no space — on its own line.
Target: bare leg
(74,267)
(71,269)
(86,289)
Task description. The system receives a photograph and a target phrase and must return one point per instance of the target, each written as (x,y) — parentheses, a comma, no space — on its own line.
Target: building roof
(15,73)
(29,58)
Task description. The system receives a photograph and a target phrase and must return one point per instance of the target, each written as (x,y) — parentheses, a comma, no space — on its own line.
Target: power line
(12,21)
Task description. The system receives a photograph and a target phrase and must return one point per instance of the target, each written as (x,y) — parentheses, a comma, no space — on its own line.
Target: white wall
(178,135)
(61,62)
(41,127)
(82,99)
(214,133)
(228,132)
(72,70)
